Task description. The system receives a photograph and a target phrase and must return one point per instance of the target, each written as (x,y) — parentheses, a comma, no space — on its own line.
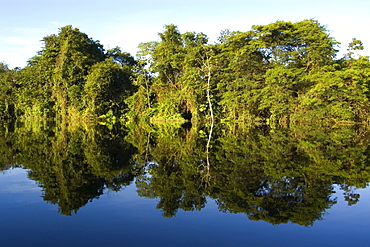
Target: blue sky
(126,23)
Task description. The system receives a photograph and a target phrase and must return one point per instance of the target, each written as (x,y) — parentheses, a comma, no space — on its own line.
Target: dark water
(157,186)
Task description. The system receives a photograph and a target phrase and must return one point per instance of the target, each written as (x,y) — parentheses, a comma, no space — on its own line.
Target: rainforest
(277,73)
(269,125)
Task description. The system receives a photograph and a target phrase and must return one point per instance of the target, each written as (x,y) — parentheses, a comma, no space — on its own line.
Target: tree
(107,86)
(171,87)
(34,90)
(53,83)
(355,45)
(7,91)
(305,44)
(77,54)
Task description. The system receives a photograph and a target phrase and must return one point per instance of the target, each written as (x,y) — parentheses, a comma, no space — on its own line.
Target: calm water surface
(80,187)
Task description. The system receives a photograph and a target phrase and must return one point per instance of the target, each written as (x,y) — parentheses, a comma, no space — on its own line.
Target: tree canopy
(276,73)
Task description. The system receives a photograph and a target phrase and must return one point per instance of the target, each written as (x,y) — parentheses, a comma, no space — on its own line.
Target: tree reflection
(171,175)
(74,165)
(277,175)
(7,150)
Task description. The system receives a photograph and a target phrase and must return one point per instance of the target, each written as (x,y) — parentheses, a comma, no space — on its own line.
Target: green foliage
(107,85)
(173,87)
(282,72)
(354,46)
(34,95)
(7,92)
(271,72)
(342,95)
(303,44)
(76,56)
(63,79)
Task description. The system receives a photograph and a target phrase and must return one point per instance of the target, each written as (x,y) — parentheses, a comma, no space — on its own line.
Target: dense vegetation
(280,72)
(71,77)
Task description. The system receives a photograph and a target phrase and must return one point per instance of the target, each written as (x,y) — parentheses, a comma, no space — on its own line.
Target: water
(91,187)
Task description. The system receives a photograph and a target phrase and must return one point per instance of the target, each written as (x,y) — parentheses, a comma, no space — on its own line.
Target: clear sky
(126,23)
